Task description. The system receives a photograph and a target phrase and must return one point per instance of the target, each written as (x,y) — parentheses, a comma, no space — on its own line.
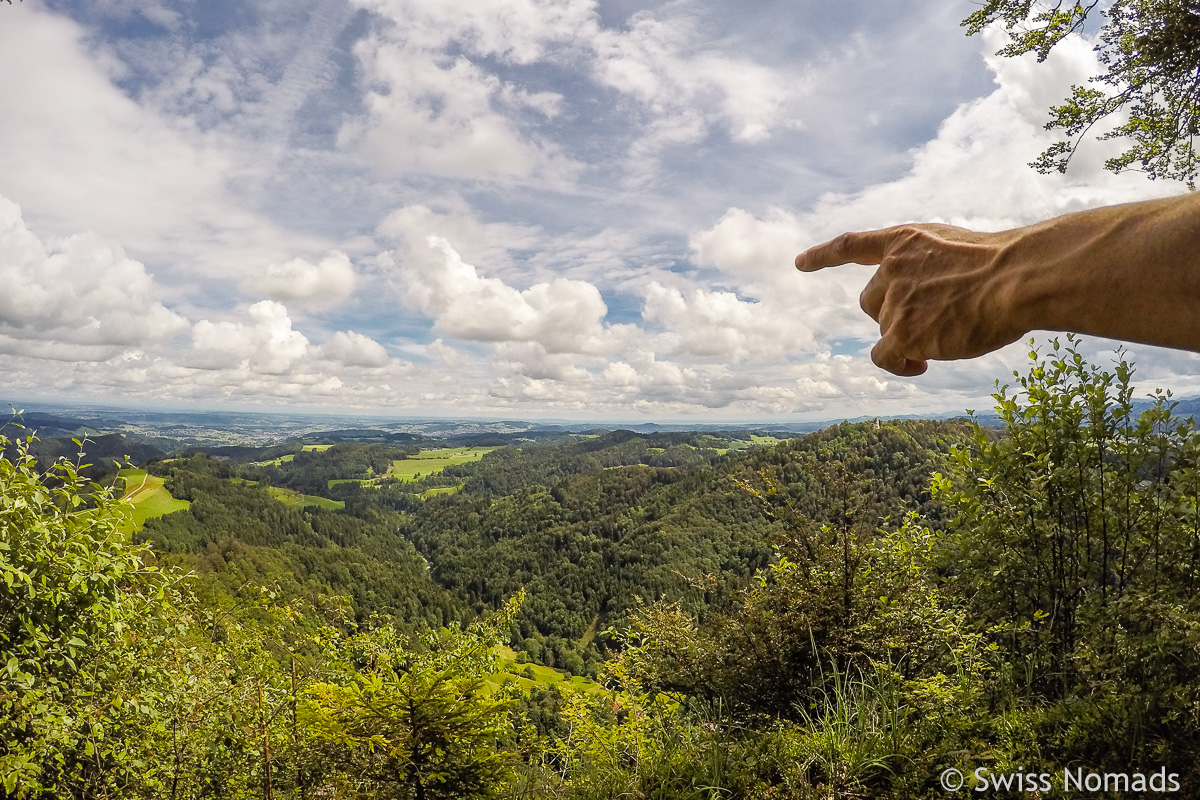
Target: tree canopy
(1150,53)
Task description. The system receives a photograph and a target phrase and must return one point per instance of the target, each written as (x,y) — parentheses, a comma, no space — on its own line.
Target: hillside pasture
(513,671)
(431,462)
(424,464)
(147,497)
(290,498)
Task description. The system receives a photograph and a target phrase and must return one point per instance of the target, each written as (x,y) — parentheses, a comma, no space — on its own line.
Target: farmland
(424,464)
(295,499)
(148,498)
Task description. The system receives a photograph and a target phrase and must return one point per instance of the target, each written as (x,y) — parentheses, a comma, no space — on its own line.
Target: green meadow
(148,498)
(431,462)
(512,671)
(424,464)
(755,441)
(290,498)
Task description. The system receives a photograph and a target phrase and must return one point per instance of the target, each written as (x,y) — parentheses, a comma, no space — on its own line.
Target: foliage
(1150,52)
(236,536)
(70,586)
(415,724)
(310,471)
(821,622)
(1078,551)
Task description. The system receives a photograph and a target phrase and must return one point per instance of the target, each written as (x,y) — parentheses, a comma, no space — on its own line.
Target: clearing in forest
(148,498)
(424,464)
(431,462)
(290,498)
(513,671)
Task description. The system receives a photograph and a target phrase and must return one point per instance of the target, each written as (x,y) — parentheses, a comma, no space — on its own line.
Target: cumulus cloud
(81,290)
(325,283)
(266,344)
(437,106)
(81,154)
(705,323)
(536,152)
(973,174)
(563,315)
(476,241)
(354,350)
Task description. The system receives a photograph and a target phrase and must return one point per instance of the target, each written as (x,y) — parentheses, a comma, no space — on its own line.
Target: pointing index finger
(849,248)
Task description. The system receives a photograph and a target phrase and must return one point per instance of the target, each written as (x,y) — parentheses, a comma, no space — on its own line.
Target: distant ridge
(183,431)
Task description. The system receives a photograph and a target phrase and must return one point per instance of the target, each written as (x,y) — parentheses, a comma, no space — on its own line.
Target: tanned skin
(941,292)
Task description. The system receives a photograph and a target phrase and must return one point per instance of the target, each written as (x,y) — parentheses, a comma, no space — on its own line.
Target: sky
(520,208)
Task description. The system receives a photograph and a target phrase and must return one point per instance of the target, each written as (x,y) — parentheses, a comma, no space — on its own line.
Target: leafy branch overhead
(1150,53)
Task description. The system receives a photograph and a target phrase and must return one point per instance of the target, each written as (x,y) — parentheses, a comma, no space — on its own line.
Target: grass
(308,448)
(590,633)
(431,462)
(755,441)
(511,672)
(148,498)
(424,464)
(440,490)
(290,498)
(295,499)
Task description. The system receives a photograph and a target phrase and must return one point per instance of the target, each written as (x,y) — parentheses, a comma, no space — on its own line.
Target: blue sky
(519,208)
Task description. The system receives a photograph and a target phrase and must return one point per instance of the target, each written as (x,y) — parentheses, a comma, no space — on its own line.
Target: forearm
(1127,272)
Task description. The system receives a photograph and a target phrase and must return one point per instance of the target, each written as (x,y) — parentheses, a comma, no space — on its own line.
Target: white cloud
(266,345)
(437,106)
(81,290)
(80,154)
(973,174)
(433,112)
(537,155)
(659,63)
(353,349)
(721,325)
(476,241)
(325,283)
(563,315)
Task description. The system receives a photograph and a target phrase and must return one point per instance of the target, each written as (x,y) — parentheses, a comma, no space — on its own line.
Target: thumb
(887,355)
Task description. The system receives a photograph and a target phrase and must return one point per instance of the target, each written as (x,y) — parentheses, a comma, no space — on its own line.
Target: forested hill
(759,619)
(586,527)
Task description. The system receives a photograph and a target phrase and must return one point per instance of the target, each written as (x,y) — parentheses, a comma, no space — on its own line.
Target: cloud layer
(523,207)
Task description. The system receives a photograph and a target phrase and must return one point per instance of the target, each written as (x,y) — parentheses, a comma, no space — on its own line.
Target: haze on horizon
(521,209)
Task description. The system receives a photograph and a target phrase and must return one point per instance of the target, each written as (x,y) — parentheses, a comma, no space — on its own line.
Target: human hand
(939,293)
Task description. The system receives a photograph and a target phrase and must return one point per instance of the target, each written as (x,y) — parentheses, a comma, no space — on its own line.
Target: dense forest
(858,612)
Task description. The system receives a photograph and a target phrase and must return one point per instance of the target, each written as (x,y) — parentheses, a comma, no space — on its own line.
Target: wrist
(1125,272)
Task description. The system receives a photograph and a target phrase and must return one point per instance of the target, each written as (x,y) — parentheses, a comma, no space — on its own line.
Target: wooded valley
(846,614)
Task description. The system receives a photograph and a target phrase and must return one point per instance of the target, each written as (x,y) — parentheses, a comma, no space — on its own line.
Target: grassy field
(148,497)
(424,464)
(440,490)
(275,462)
(755,441)
(431,462)
(290,498)
(542,676)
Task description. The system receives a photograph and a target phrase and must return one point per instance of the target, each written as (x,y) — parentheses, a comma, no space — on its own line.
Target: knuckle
(841,245)
(888,267)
